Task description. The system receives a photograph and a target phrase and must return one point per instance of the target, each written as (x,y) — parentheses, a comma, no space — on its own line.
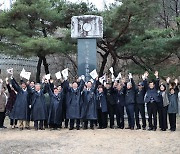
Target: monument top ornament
(87,26)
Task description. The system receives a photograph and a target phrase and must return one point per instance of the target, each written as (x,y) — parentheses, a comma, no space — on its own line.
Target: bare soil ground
(96,141)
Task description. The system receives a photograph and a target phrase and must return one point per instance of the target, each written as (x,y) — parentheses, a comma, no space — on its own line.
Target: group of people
(89,104)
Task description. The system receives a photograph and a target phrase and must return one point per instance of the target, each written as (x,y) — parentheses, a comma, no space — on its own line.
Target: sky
(98,3)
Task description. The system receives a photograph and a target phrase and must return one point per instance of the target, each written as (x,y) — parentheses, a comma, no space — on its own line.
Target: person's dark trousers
(130,114)
(152,114)
(2,117)
(102,119)
(120,116)
(86,124)
(160,115)
(72,121)
(163,117)
(13,122)
(46,124)
(38,124)
(66,123)
(165,124)
(172,121)
(111,112)
(140,108)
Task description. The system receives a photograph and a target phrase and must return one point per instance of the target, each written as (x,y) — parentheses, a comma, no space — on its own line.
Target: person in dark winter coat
(20,110)
(163,107)
(10,103)
(101,108)
(173,106)
(111,104)
(89,106)
(140,105)
(130,102)
(120,103)
(152,99)
(73,102)
(55,109)
(38,107)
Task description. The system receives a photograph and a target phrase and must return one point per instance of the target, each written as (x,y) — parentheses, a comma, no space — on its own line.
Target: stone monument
(87,29)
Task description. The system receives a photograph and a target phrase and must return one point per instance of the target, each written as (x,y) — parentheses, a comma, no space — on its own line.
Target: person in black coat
(10,104)
(73,102)
(120,103)
(38,107)
(111,103)
(140,105)
(21,109)
(152,99)
(55,109)
(101,108)
(130,102)
(89,106)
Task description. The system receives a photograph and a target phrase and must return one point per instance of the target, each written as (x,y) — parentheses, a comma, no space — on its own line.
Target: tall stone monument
(87,29)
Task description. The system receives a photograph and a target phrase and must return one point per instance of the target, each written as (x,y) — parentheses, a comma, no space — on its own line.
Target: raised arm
(15,85)
(157,80)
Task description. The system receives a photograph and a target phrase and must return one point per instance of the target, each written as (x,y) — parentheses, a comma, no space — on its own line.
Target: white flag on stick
(47,76)
(94,74)
(111,70)
(58,75)
(102,79)
(65,73)
(10,71)
(25,74)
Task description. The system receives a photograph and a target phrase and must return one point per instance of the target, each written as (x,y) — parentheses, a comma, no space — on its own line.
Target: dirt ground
(96,141)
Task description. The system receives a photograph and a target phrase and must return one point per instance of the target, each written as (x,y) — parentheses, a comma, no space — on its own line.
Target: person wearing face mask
(3,101)
(73,101)
(20,110)
(101,108)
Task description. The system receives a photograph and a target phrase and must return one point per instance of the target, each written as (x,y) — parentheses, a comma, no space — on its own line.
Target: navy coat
(140,96)
(130,94)
(73,100)
(101,102)
(120,97)
(89,106)
(38,106)
(21,109)
(55,108)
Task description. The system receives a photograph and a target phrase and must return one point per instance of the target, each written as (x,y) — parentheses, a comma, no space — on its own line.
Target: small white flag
(111,70)
(118,77)
(48,76)
(22,72)
(65,73)
(94,74)
(102,79)
(58,75)
(25,74)
(10,71)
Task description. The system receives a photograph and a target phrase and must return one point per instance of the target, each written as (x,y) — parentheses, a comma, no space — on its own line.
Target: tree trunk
(38,70)
(46,66)
(103,64)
